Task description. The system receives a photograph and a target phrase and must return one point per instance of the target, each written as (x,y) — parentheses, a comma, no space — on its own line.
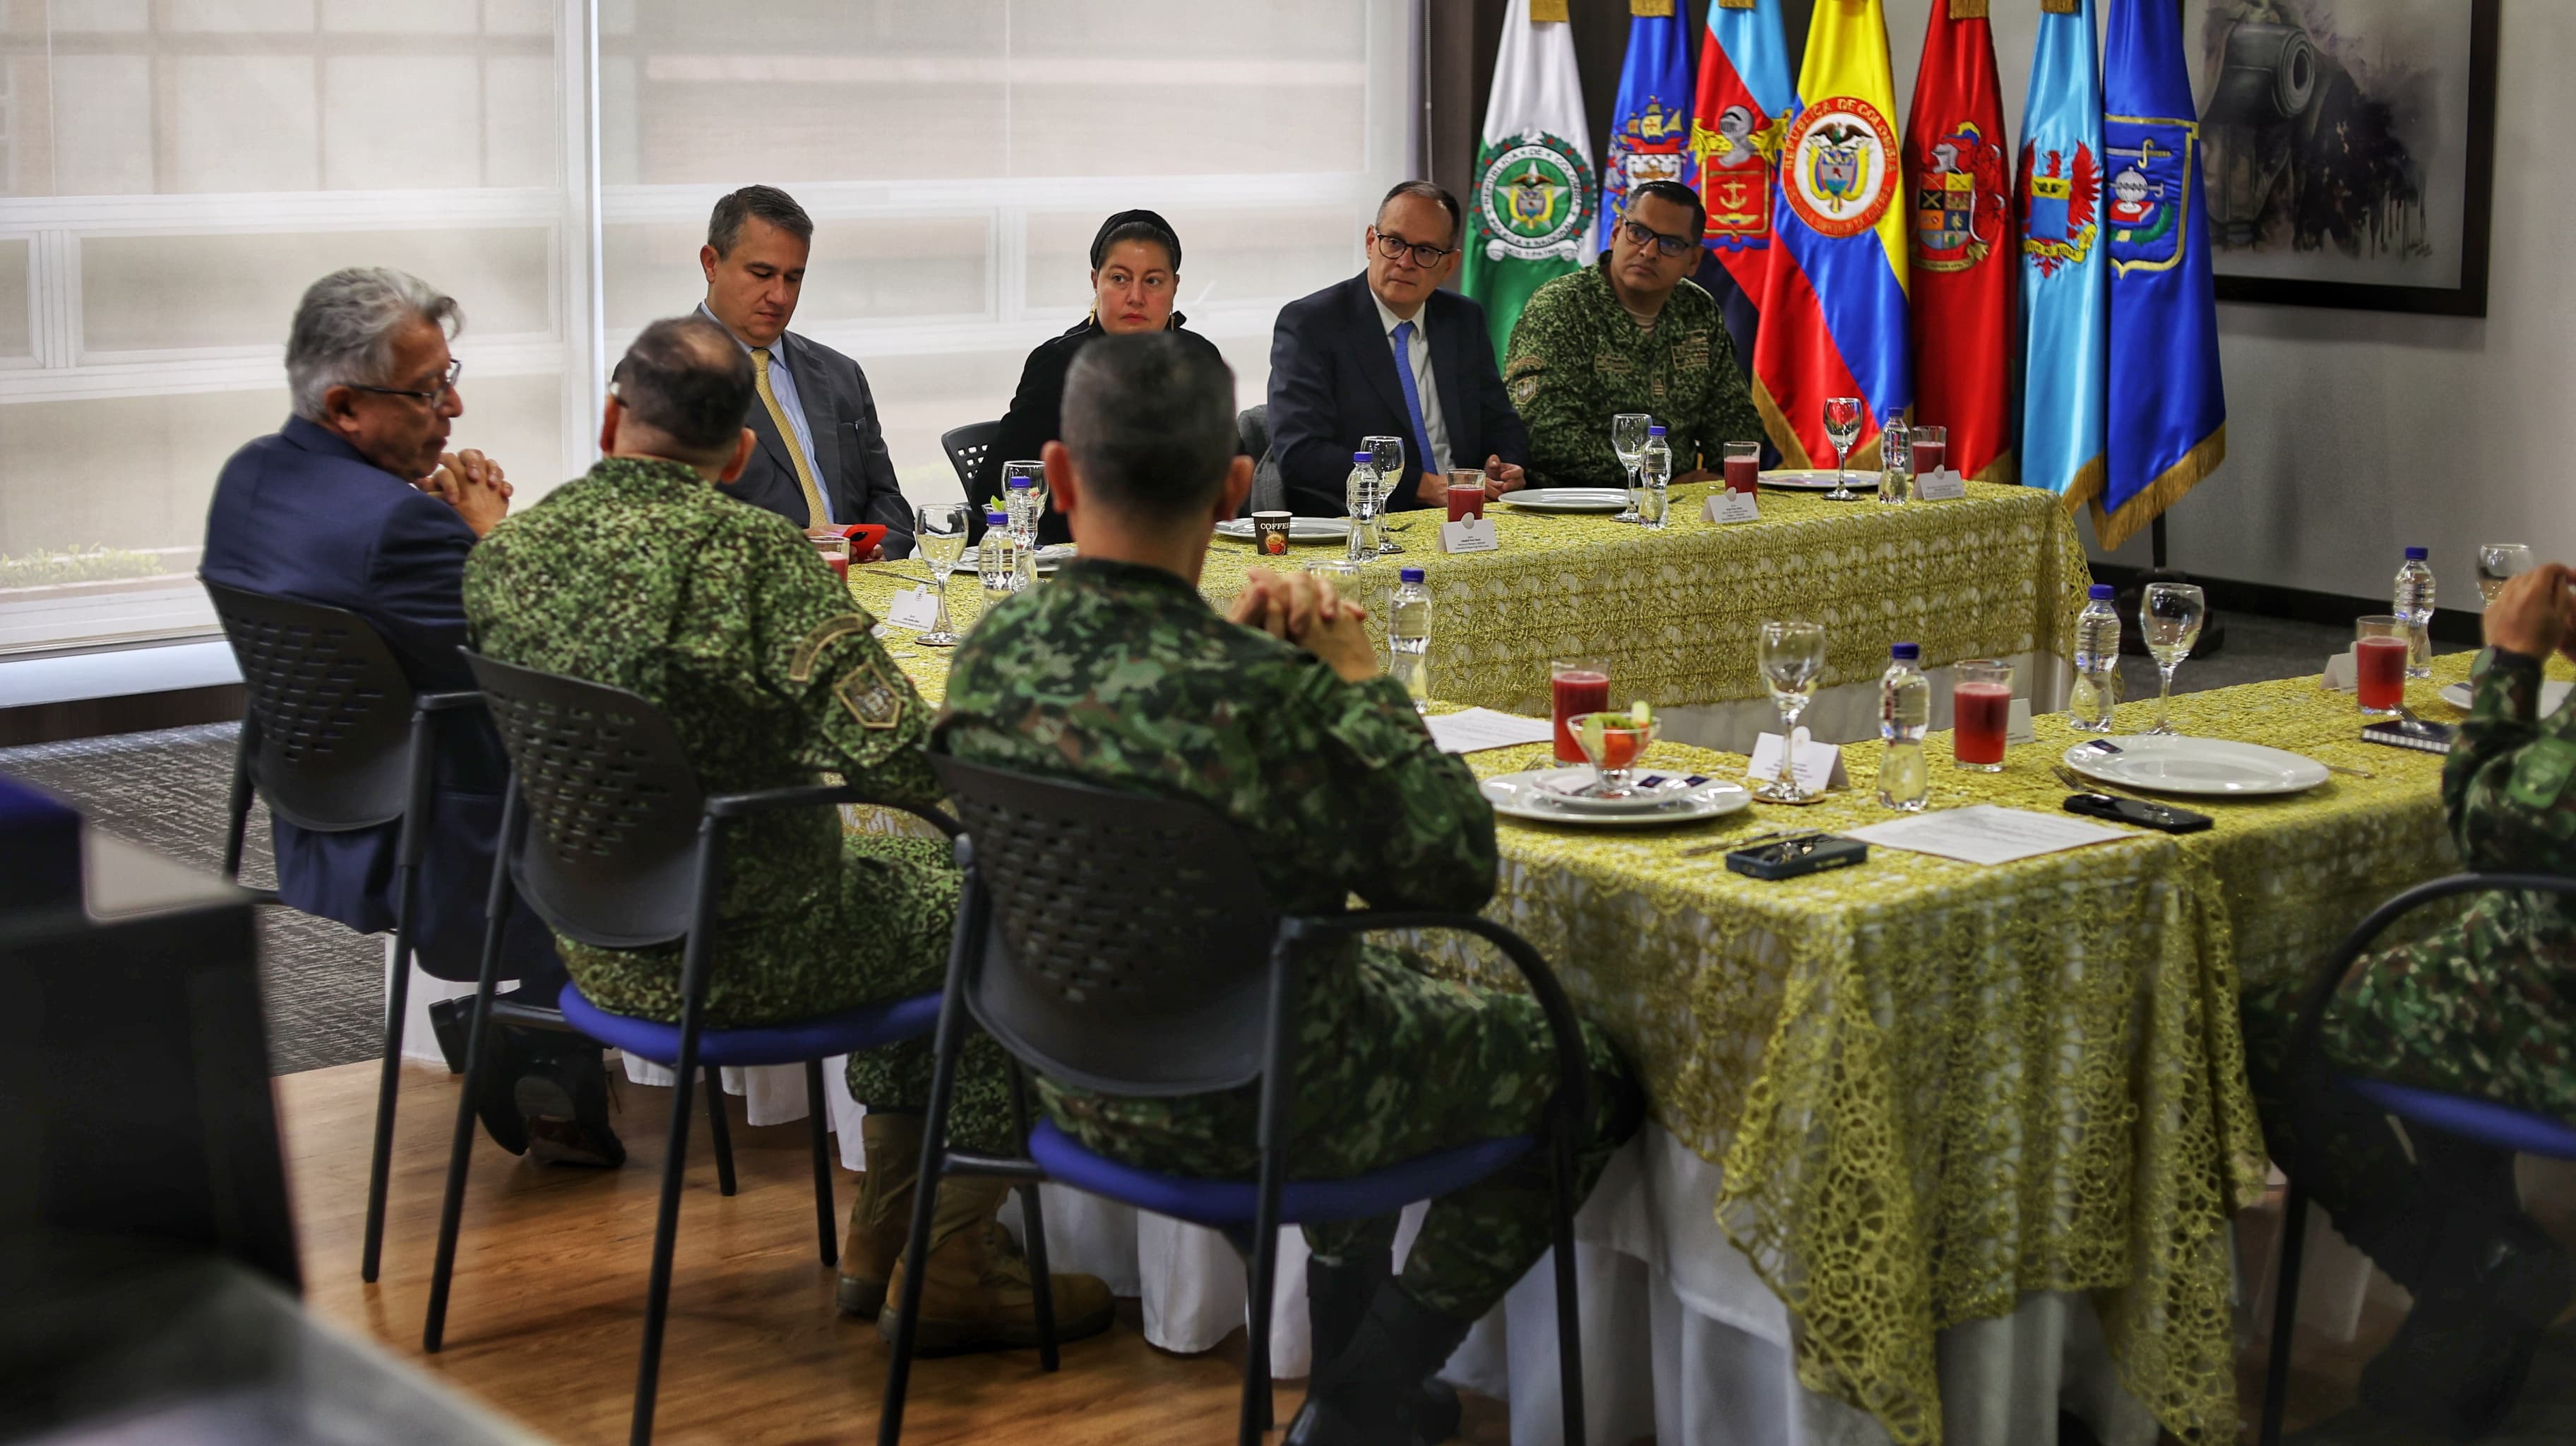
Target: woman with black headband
(1135,273)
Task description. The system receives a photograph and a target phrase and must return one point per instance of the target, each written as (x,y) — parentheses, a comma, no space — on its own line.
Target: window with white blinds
(173,173)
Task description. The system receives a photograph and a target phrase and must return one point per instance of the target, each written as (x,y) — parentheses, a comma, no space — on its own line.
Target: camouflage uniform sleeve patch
(810,651)
(1524,388)
(872,697)
(2540,775)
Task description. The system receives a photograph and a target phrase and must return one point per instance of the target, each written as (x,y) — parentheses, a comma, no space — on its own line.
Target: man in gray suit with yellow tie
(822,457)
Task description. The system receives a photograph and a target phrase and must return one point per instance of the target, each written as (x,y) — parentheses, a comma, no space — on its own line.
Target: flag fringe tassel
(1793,453)
(2114,528)
(2002,471)
(2084,486)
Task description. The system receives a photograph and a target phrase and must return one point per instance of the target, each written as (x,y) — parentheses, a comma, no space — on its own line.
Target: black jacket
(1333,381)
(850,460)
(1036,418)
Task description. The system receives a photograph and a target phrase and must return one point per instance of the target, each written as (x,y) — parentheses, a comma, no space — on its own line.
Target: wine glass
(2169,621)
(1628,439)
(1842,428)
(1386,454)
(1792,655)
(2498,564)
(1025,523)
(939,530)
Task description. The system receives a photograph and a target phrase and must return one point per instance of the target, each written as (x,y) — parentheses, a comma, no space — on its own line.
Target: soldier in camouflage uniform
(641,575)
(2484,1006)
(1629,334)
(1119,673)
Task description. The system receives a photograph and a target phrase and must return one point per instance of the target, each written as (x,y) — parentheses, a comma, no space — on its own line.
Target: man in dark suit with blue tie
(822,460)
(356,504)
(1335,376)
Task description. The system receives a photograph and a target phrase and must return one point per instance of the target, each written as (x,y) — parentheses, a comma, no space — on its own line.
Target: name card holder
(1942,486)
(915,608)
(1731,507)
(1819,766)
(1470,534)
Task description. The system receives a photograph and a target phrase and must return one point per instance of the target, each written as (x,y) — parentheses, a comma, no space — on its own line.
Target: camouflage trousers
(878,933)
(2485,1006)
(1392,1064)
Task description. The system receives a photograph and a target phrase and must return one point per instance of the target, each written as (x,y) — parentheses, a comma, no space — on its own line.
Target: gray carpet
(165,790)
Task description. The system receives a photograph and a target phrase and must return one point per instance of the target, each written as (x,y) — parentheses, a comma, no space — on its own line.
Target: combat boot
(881,1218)
(976,1293)
(1364,1395)
(1337,1300)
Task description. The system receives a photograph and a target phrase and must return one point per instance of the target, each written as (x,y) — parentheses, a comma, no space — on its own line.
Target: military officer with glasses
(1388,353)
(1630,334)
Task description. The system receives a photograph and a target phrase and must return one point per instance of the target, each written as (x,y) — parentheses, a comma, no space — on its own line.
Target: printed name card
(1942,486)
(1731,507)
(914,607)
(2338,675)
(1819,766)
(1470,534)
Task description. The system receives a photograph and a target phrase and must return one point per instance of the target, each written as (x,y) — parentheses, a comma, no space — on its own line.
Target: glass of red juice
(1743,466)
(1931,449)
(1980,710)
(835,550)
(1466,495)
(1578,686)
(2379,647)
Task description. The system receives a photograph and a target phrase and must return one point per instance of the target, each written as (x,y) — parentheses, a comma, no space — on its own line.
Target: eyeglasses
(1639,234)
(1425,254)
(432,397)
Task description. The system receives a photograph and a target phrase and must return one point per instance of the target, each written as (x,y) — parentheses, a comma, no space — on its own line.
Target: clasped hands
(472,484)
(2535,614)
(1306,610)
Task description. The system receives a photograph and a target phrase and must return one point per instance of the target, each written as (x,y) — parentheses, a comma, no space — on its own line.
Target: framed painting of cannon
(2348,149)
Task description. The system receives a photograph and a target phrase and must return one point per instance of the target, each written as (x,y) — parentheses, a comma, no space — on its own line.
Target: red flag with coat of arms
(1961,235)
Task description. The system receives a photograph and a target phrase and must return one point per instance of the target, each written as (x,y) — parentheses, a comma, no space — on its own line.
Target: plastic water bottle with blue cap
(2097,663)
(2414,603)
(1408,637)
(1904,714)
(1654,478)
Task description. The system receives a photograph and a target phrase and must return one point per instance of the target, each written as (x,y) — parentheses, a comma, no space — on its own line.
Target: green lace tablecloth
(1933,1087)
(1674,613)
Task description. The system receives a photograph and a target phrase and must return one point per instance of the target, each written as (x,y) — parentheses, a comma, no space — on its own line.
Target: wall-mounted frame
(2350,150)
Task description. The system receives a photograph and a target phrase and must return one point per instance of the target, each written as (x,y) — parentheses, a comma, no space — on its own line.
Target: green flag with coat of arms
(1530,216)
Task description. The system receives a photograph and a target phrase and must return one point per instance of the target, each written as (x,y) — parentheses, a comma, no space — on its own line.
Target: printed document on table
(1472,730)
(1986,834)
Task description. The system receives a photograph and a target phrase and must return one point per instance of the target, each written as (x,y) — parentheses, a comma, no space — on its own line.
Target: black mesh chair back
(1130,942)
(966,447)
(613,804)
(329,715)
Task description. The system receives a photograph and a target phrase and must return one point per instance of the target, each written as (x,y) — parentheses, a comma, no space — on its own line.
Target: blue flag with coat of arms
(1650,123)
(2167,419)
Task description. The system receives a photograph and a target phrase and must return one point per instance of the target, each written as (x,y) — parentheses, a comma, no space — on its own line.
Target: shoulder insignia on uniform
(872,697)
(1523,389)
(810,650)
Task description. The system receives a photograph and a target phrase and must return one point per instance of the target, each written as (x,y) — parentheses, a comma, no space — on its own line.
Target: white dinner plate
(1050,557)
(2552,693)
(2211,766)
(1518,795)
(1300,529)
(1818,480)
(1569,499)
(1651,789)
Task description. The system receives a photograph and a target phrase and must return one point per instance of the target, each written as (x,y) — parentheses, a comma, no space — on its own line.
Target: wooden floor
(548,1305)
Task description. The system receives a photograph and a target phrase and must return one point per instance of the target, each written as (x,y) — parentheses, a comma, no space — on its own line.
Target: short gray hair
(345,326)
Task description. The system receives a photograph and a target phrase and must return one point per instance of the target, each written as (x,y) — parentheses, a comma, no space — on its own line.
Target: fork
(2081,784)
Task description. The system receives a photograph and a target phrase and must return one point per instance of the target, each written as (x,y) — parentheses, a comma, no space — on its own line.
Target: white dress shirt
(1419,357)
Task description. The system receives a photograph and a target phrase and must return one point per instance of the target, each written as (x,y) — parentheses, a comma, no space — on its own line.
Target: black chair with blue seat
(628,853)
(1124,943)
(2461,1116)
(335,739)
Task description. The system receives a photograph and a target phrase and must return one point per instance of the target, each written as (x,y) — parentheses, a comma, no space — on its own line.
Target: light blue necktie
(1403,335)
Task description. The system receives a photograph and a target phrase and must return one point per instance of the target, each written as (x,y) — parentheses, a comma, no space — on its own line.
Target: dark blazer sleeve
(1498,423)
(1035,418)
(868,489)
(416,589)
(1314,464)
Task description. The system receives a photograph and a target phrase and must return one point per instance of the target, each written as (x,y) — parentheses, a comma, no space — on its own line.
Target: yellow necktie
(815,515)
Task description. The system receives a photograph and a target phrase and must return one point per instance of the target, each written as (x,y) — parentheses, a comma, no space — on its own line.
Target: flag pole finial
(1967,9)
(2061,7)
(1547,12)
(1651,9)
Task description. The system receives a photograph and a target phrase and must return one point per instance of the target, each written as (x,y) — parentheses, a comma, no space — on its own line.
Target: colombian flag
(1833,300)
